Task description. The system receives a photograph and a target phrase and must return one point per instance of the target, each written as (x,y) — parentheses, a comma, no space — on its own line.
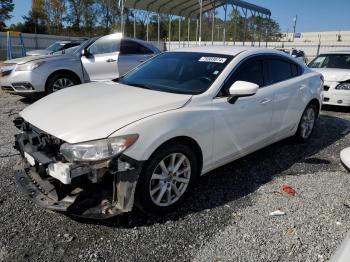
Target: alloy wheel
(62,83)
(170,179)
(307,122)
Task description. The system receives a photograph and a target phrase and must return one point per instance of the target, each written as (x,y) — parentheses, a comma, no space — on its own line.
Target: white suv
(96,149)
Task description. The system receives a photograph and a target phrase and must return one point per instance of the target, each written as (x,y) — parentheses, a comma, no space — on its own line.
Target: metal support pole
(122,17)
(147,26)
(235,28)
(224,32)
(245,25)
(213,25)
(197,32)
(134,13)
(158,30)
(268,24)
(200,20)
(254,28)
(169,31)
(179,32)
(188,31)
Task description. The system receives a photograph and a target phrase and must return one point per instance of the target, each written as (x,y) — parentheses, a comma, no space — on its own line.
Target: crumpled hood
(334,74)
(27,59)
(96,110)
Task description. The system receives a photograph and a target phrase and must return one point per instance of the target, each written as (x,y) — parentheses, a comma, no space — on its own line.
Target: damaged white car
(98,149)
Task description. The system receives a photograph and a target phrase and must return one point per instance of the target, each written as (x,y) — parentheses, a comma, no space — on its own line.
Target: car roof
(228,50)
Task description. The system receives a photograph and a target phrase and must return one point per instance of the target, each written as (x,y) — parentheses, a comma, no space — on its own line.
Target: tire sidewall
(53,79)
(299,136)
(143,199)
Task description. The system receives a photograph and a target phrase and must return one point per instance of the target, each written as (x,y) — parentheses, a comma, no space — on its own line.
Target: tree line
(98,17)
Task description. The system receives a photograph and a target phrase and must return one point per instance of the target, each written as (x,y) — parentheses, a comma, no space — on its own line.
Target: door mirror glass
(243,88)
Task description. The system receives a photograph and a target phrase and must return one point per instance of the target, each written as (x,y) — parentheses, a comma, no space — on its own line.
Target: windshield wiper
(138,85)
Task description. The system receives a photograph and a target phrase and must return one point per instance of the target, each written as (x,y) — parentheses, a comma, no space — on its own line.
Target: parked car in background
(55,47)
(297,54)
(335,68)
(97,59)
(146,137)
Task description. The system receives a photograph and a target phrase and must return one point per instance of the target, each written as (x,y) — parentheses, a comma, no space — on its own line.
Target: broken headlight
(98,149)
(343,86)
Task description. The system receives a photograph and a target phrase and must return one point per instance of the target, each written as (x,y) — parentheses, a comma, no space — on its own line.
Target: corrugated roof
(191,8)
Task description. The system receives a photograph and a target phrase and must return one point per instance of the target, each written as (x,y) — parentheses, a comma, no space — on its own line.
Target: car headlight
(98,149)
(29,66)
(343,86)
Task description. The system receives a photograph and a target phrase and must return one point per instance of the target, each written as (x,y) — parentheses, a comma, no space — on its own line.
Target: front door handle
(265,101)
(302,87)
(110,60)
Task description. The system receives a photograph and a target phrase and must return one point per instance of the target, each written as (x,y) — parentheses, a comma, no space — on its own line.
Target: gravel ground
(226,217)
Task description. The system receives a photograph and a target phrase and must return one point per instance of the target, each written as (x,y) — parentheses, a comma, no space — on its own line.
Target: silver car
(97,59)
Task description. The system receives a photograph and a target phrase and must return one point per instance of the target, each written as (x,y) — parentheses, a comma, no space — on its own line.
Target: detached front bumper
(111,195)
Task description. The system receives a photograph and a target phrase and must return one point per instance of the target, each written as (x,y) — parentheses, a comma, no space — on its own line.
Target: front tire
(60,81)
(167,179)
(306,124)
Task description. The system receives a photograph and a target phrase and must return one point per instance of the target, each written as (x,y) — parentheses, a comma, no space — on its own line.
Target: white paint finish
(95,110)
(222,130)
(332,78)
(243,88)
(345,157)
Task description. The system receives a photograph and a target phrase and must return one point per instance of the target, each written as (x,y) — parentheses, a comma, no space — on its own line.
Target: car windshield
(331,61)
(55,47)
(178,72)
(67,51)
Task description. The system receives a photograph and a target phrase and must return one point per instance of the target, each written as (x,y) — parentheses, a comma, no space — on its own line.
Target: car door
(131,55)
(283,77)
(243,125)
(100,62)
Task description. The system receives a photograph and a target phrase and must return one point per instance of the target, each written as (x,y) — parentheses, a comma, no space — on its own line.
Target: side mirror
(243,88)
(85,53)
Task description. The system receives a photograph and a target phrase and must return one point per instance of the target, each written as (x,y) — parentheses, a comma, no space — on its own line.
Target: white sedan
(97,149)
(335,67)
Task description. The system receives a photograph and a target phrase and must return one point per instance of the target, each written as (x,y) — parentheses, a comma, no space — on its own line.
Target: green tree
(6,8)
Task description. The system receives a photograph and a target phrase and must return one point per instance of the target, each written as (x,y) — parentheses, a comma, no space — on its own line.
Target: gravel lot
(226,218)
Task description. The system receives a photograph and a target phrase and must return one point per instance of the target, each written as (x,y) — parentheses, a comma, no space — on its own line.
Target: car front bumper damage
(111,194)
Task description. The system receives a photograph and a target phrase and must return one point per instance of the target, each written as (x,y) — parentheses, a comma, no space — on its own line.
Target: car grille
(325,88)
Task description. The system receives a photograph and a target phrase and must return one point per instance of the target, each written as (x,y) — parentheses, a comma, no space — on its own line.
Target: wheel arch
(186,140)
(63,71)
(317,103)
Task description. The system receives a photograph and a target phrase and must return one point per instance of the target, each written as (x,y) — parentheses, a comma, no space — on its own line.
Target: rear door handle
(141,61)
(110,60)
(265,101)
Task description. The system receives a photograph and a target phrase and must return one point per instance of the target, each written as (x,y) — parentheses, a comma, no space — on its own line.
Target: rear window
(279,70)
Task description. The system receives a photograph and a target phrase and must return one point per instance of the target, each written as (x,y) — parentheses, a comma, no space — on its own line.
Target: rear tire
(60,81)
(167,179)
(306,124)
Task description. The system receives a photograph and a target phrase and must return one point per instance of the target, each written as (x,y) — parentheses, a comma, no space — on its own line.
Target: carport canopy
(190,8)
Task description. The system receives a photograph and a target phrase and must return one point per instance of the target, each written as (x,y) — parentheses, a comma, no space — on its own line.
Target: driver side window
(250,71)
(105,45)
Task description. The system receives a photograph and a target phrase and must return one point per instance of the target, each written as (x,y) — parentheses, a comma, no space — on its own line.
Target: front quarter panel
(189,121)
